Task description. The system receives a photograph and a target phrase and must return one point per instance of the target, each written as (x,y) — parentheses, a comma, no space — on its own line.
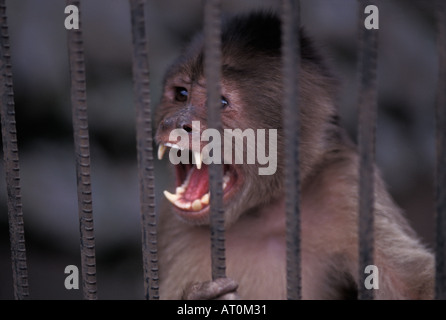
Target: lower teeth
(195,205)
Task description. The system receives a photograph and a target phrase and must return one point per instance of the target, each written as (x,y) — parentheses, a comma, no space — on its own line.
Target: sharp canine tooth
(171,197)
(197,156)
(196,205)
(205,198)
(161,150)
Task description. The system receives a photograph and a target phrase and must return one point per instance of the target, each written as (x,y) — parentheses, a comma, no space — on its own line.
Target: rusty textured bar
(145,150)
(291,65)
(440,187)
(212,62)
(368,45)
(12,168)
(82,150)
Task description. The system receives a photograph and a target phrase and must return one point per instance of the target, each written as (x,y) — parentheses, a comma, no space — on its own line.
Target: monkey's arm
(405,266)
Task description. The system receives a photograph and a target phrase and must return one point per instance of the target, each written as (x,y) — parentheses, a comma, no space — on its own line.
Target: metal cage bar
(12,168)
(145,149)
(212,63)
(368,45)
(82,150)
(440,183)
(291,122)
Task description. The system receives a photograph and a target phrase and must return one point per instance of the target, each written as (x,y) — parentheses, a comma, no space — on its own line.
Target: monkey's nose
(177,123)
(184,124)
(187,127)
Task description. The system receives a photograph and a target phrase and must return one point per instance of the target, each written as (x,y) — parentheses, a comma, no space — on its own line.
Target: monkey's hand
(220,289)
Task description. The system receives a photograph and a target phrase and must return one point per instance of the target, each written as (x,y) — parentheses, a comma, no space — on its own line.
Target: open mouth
(191,197)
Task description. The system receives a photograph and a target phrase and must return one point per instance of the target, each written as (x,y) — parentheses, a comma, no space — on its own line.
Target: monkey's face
(182,133)
(252,93)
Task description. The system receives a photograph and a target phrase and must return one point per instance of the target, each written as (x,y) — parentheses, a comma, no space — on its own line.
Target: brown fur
(255,235)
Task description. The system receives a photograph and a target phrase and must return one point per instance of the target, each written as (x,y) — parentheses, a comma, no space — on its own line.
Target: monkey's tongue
(193,193)
(198,184)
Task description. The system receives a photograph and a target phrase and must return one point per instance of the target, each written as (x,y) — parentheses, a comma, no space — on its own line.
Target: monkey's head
(251,102)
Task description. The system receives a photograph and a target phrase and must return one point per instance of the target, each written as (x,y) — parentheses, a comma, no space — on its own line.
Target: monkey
(254,204)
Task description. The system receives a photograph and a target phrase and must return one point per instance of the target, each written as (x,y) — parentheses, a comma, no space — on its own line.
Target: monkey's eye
(224,102)
(180,94)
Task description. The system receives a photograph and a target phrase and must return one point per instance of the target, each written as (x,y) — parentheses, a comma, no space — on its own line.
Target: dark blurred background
(405,131)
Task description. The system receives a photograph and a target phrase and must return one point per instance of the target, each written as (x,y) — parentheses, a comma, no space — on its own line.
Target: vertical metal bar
(145,149)
(291,66)
(82,149)
(366,143)
(440,194)
(212,33)
(11,160)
